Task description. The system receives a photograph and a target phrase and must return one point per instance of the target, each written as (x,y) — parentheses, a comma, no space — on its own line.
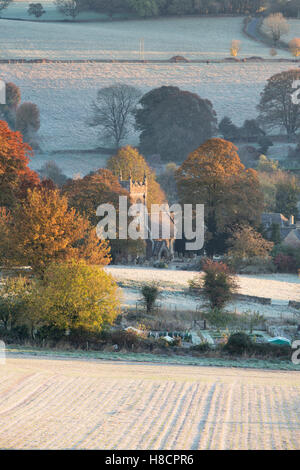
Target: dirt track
(58,404)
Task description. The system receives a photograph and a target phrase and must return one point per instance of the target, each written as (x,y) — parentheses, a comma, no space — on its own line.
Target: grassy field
(195,38)
(64,93)
(60,404)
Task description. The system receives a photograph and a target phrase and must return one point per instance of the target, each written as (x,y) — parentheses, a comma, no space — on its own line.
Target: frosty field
(64,93)
(174,284)
(59,404)
(195,38)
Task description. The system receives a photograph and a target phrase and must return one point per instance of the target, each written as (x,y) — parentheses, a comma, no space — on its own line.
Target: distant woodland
(150,8)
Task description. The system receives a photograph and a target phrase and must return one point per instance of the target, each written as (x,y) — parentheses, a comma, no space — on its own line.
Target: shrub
(203,347)
(238,343)
(150,293)
(219,284)
(285,263)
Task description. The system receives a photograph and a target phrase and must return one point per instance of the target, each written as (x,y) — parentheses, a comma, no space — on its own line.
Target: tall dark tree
(174,122)
(287,195)
(12,101)
(276,107)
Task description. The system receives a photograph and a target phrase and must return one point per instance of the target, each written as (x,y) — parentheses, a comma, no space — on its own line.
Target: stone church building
(158,247)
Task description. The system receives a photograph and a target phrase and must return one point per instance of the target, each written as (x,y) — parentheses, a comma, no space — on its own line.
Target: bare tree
(294,46)
(275,25)
(68,7)
(113,111)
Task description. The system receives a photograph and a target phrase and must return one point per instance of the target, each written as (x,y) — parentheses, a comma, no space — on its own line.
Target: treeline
(149,8)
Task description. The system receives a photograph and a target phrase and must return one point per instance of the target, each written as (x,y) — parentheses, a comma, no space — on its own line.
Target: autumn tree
(15,174)
(75,295)
(129,162)
(43,229)
(276,107)
(247,243)
(86,194)
(14,292)
(213,175)
(101,187)
(235,47)
(173,122)
(280,189)
(275,26)
(294,46)
(113,112)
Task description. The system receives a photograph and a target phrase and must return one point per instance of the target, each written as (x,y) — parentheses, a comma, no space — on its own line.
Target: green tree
(287,195)
(219,284)
(173,122)
(228,129)
(36,9)
(144,9)
(150,293)
(28,120)
(12,101)
(75,295)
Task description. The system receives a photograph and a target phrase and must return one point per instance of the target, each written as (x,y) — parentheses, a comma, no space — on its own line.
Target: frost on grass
(64,93)
(48,404)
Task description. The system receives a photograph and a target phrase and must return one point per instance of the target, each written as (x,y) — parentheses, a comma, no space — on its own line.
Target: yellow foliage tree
(128,161)
(74,295)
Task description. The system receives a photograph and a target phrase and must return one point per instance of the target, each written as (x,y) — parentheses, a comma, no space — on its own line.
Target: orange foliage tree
(213,175)
(43,229)
(101,187)
(15,175)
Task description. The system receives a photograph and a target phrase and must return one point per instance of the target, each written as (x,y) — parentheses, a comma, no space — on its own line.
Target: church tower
(138,190)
